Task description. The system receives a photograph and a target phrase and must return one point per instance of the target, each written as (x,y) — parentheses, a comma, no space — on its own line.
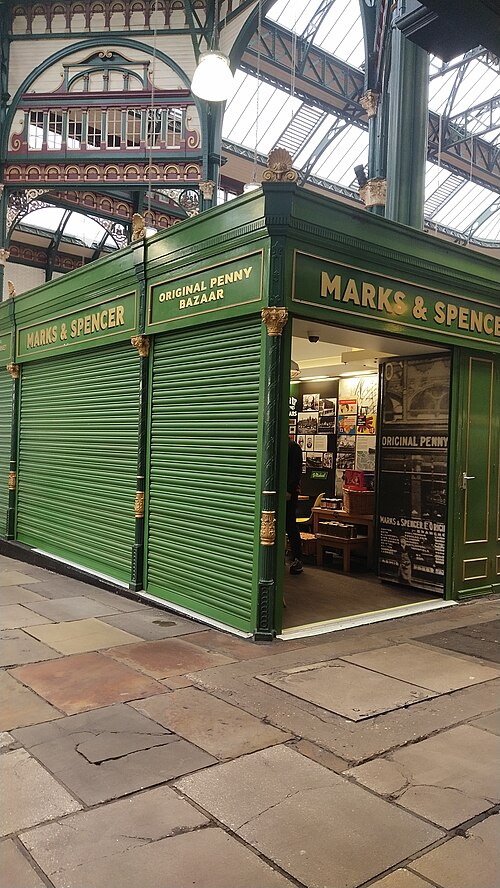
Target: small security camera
(312,336)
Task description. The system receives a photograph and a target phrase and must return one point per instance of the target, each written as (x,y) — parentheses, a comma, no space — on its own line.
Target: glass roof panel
(47,219)
(84,229)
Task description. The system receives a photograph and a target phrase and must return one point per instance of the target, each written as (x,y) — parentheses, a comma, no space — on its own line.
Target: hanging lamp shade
(295,370)
(212,80)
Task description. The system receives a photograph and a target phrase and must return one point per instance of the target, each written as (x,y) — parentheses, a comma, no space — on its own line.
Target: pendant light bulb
(212,80)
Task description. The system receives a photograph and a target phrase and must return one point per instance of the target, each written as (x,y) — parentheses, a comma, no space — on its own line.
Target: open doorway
(373,491)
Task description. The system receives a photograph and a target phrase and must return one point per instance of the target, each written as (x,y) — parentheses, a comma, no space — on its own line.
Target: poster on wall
(310,402)
(307,423)
(413,471)
(366,424)
(346,425)
(348,406)
(327,423)
(365,452)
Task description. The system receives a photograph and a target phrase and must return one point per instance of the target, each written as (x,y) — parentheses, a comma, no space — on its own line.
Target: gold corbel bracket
(207,189)
(139,504)
(275,320)
(11,289)
(267,528)
(12,480)
(141,343)
(14,370)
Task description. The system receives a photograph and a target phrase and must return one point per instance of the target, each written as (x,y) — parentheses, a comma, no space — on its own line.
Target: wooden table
(344,518)
(345,544)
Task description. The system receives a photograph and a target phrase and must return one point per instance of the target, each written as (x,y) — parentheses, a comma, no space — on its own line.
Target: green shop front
(148,403)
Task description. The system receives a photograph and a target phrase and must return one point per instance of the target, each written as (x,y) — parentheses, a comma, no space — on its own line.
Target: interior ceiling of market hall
(325,129)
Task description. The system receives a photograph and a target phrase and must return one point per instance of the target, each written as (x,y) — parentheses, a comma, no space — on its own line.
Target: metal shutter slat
(78,458)
(203,470)
(5,432)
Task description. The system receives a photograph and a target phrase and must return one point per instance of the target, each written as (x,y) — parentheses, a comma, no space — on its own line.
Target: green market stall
(160,465)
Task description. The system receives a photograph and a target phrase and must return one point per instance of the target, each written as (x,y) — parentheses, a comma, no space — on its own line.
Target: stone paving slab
(470,861)
(6,739)
(111,752)
(206,858)
(480,640)
(236,648)
(221,729)
(401,878)
(16,871)
(16,578)
(306,818)
(447,779)
(17,647)
(169,656)
(20,707)
(77,636)
(347,689)
(77,607)
(428,668)
(86,681)
(93,837)
(18,595)
(16,616)
(30,793)
(152,624)
(489,722)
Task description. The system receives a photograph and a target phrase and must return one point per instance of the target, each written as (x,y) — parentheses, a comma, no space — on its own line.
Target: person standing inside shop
(292,494)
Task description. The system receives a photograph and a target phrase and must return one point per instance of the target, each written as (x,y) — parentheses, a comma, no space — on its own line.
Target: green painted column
(407,132)
(142,344)
(15,372)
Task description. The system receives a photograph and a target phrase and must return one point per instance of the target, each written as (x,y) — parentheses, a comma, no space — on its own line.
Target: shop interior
(334,415)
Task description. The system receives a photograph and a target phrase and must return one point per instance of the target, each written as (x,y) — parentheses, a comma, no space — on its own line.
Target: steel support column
(407,132)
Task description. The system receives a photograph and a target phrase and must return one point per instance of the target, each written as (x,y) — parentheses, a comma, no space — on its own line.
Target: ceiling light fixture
(294,370)
(212,79)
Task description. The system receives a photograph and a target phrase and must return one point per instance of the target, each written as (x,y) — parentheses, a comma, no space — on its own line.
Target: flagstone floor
(139,748)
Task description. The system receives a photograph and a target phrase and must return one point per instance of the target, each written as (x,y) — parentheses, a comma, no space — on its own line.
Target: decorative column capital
(4,255)
(207,189)
(369,101)
(275,320)
(14,370)
(374,193)
(141,343)
(267,528)
(279,167)
(138,227)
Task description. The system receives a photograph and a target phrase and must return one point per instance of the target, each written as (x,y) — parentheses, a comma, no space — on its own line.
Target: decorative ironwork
(139,504)
(275,320)
(14,370)
(117,173)
(279,167)
(374,193)
(267,528)
(141,343)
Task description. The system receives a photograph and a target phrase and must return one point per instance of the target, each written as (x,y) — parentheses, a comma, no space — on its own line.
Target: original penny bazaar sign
(101,321)
(226,285)
(355,292)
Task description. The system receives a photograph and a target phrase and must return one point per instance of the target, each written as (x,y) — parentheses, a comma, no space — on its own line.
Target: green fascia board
(97,287)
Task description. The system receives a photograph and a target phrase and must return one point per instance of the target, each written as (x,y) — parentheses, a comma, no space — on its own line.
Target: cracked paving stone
(17,872)
(17,616)
(30,793)
(447,779)
(17,647)
(110,752)
(169,656)
(307,819)
(223,730)
(204,858)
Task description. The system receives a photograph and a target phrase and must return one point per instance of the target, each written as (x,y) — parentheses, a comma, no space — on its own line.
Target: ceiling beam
(335,86)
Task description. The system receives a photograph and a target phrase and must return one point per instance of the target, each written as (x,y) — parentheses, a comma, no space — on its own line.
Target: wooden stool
(345,544)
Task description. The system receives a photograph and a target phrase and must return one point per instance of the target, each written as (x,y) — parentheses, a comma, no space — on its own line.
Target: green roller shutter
(203,470)
(78,457)
(5,431)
